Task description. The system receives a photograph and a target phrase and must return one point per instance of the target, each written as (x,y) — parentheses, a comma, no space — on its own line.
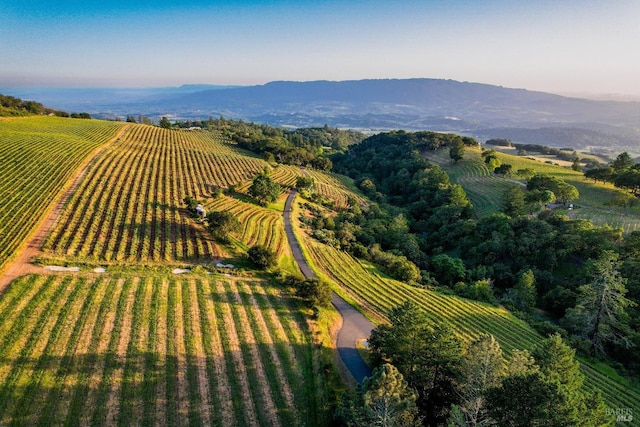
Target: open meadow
(486,189)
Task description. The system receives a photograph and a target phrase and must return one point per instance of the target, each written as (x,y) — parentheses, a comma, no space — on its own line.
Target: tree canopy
(264,189)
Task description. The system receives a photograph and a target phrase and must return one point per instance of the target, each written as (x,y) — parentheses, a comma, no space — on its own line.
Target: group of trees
(12,106)
(302,147)
(264,189)
(314,293)
(623,172)
(524,258)
(425,376)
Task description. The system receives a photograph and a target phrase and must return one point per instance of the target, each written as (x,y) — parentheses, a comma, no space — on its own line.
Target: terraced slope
(260,226)
(38,156)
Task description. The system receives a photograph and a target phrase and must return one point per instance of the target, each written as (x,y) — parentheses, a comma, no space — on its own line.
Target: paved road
(354,325)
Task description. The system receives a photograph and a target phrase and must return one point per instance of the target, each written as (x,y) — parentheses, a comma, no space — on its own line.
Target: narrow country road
(354,325)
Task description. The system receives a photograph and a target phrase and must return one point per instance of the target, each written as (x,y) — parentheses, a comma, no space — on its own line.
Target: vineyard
(326,185)
(260,226)
(129,207)
(137,346)
(145,350)
(484,189)
(38,155)
(376,294)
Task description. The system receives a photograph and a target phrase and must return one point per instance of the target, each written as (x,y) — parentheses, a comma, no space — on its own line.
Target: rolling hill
(127,340)
(413,104)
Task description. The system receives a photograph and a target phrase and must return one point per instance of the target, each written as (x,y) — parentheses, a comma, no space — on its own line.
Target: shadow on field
(150,388)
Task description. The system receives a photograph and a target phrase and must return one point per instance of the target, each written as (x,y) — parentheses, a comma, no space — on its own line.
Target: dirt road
(21,263)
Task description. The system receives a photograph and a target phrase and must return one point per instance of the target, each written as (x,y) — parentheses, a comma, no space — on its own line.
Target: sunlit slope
(130,205)
(38,156)
(486,189)
(362,283)
(148,350)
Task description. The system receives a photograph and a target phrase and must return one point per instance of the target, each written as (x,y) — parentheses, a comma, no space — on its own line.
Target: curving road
(354,325)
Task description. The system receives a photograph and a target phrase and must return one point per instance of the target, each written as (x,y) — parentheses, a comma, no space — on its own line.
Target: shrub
(262,257)
(314,292)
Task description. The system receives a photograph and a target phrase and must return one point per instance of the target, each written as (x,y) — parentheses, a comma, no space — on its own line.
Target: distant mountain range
(480,110)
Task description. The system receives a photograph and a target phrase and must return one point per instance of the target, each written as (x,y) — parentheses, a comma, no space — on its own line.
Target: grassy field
(486,189)
(38,156)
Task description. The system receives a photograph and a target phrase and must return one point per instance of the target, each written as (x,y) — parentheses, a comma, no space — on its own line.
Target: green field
(486,189)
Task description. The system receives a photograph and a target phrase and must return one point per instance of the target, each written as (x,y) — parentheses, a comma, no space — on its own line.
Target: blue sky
(558,46)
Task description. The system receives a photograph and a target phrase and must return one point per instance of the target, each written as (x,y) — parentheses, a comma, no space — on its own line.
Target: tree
(482,368)
(426,353)
(222,224)
(264,189)
(521,363)
(262,257)
(624,200)
(165,123)
(600,312)
(513,201)
(314,292)
(563,191)
(503,169)
(604,174)
(448,270)
(383,400)
(525,173)
(456,150)
(573,405)
(622,163)
(304,182)
(491,159)
(524,292)
(576,165)
(630,180)
(523,400)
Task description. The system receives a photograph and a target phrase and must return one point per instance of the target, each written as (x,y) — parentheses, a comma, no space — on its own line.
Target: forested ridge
(12,106)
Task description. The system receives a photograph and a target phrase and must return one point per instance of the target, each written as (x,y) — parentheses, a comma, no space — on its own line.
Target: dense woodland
(529,262)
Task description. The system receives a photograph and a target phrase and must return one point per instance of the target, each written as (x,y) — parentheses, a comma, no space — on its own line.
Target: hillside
(414,104)
(150,330)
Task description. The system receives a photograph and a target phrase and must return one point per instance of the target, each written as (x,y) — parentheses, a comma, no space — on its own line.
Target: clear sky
(580,46)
